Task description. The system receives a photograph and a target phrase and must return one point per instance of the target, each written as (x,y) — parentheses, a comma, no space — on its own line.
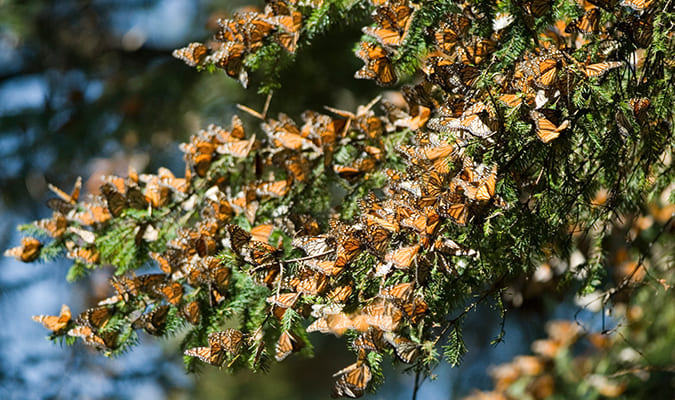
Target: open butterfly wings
(55,323)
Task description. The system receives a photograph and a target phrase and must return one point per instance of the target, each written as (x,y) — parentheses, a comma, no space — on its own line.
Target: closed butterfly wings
(28,251)
(193,54)
(287,344)
(353,380)
(153,322)
(221,344)
(378,66)
(392,23)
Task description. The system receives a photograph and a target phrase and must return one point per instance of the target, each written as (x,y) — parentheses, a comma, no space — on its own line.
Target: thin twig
(417,384)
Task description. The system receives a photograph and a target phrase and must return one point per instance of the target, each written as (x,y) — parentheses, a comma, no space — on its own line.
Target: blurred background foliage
(90,87)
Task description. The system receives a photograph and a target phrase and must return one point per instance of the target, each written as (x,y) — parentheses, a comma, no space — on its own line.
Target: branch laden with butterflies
(387,226)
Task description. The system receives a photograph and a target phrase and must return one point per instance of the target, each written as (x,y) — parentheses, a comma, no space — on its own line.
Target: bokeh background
(90,87)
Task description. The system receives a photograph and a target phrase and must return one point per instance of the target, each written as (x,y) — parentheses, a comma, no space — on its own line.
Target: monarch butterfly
(68,198)
(288,343)
(608,5)
(368,123)
(101,340)
(28,251)
(370,340)
(537,8)
(340,294)
(452,205)
(205,245)
(217,208)
(55,323)
(277,7)
(476,50)
(414,120)
(284,133)
(84,235)
(639,30)
(450,247)
(60,205)
(229,30)
(172,292)
(350,173)
(545,129)
(337,324)
(393,23)
(401,293)
(325,267)
(218,135)
(378,66)
(261,253)
(416,222)
(284,300)
(547,71)
(297,167)
(244,204)
(308,282)
(239,238)
(375,238)
(193,54)
(220,344)
(273,189)
(600,69)
(255,30)
(135,198)
(640,105)
(511,100)
(155,194)
(415,309)
(115,200)
(347,249)
(313,245)
(261,233)
(353,380)
(219,275)
(479,120)
(95,318)
(191,312)
(483,189)
(55,226)
(380,313)
(637,5)
(388,222)
(402,258)
(406,350)
(125,288)
(231,59)
(237,148)
(153,322)
(452,28)
(289,33)
(87,255)
(456,77)
(93,213)
(588,23)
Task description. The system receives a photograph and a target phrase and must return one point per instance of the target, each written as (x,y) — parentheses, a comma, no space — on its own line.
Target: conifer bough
(508,120)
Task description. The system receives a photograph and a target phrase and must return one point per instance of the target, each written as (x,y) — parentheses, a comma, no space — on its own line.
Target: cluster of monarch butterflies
(403,234)
(245,33)
(535,374)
